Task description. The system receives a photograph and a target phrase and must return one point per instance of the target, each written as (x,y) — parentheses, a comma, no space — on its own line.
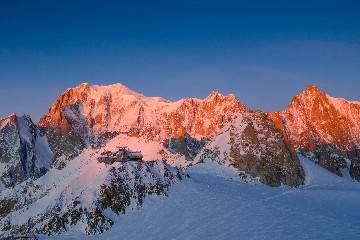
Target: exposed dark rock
(185,145)
(258,149)
(354,155)
(6,206)
(328,156)
(65,146)
(24,152)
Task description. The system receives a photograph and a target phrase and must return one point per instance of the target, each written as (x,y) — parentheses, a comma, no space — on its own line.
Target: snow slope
(212,204)
(81,195)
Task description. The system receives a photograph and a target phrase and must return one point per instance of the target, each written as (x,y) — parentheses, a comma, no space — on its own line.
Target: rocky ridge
(252,145)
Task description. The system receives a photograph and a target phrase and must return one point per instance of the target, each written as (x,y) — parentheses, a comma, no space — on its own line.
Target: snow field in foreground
(214,205)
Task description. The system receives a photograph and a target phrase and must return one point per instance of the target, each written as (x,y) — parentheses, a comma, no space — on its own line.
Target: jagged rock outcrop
(323,128)
(24,151)
(257,149)
(185,145)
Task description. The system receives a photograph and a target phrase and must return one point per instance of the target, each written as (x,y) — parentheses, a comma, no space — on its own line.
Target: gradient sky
(264,52)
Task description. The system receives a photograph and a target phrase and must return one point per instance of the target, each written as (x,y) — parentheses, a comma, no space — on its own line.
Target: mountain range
(51,181)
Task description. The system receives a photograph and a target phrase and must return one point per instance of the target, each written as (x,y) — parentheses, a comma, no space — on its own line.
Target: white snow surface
(214,204)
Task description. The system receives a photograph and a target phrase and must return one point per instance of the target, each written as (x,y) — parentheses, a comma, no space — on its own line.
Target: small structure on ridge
(123,154)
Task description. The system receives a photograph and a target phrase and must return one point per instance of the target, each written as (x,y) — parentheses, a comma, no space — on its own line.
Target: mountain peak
(309,95)
(81,86)
(215,95)
(8,119)
(312,89)
(117,88)
(84,84)
(10,116)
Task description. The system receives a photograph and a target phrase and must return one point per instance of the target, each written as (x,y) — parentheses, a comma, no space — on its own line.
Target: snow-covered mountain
(96,114)
(91,112)
(52,182)
(323,128)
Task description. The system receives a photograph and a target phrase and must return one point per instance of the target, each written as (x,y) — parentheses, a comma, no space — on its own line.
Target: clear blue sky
(262,51)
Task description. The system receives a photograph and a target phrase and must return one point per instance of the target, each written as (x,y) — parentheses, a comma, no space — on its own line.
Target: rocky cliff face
(323,128)
(24,151)
(185,145)
(252,144)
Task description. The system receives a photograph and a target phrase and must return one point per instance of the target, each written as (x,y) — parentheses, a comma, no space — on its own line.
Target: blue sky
(264,52)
